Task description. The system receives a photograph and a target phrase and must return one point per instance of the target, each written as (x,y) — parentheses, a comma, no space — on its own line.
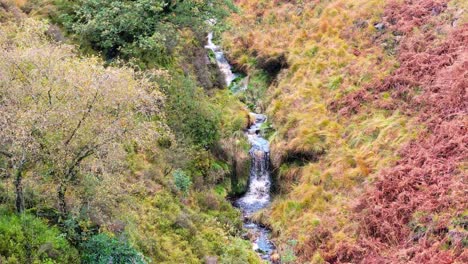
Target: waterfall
(221,60)
(258,195)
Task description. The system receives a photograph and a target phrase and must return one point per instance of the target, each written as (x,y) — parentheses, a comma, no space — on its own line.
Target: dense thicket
(27,239)
(142,30)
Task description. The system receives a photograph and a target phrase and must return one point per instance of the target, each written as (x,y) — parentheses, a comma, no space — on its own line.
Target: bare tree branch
(85,115)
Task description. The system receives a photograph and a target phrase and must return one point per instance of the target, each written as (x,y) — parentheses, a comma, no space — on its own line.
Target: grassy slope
(141,202)
(330,145)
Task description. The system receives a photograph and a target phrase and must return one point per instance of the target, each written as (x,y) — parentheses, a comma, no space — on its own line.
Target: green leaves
(182,181)
(190,114)
(26,239)
(102,249)
(144,29)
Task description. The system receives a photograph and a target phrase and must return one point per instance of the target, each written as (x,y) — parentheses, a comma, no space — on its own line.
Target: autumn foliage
(381,93)
(415,210)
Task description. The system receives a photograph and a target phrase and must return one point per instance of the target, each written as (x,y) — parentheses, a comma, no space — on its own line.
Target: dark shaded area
(301,158)
(272,66)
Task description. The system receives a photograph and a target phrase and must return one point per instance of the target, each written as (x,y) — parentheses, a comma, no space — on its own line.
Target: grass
(330,52)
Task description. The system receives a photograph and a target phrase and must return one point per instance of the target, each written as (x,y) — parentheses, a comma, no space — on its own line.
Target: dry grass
(324,158)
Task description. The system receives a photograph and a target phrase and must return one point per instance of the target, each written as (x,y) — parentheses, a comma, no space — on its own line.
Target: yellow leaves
(20,3)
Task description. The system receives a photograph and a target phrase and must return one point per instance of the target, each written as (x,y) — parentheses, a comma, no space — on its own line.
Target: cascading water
(258,194)
(221,60)
(223,64)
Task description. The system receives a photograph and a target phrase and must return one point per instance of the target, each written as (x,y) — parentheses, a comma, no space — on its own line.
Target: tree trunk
(19,201)
(62,204)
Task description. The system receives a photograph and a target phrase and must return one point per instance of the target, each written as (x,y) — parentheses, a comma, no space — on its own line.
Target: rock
(275,257)
(251,236)
(379,26)
(259,154)
(360,23)
(55,33)
(456,238)
(117,226)
(211,260)
(436,10)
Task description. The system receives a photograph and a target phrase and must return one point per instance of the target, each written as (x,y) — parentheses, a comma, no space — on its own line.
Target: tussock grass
(323,158)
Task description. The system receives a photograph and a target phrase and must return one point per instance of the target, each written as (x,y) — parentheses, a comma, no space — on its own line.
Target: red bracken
(412,213)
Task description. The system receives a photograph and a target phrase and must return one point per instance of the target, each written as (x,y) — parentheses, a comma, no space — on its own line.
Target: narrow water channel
(258,195)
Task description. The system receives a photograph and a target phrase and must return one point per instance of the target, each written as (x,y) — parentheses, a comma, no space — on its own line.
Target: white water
(258,195)
(221,60)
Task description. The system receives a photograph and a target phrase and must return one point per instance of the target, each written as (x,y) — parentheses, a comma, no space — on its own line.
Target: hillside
(101,161)
(368,100)
(246,131)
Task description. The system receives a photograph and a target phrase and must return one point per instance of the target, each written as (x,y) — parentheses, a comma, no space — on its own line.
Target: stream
(257,196)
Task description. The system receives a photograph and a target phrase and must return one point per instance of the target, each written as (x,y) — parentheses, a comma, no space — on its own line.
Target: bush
(102,249)
(182,181)
(190,114)
(27,239)
(144,29)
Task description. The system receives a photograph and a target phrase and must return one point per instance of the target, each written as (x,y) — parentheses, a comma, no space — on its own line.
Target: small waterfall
(221,60)
(258,194)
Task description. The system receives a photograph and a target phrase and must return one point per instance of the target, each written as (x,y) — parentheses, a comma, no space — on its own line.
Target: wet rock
(259,154)
(259,250)
(252,236)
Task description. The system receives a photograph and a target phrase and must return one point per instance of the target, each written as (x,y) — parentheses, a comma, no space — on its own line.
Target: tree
(62,117)
(143,29)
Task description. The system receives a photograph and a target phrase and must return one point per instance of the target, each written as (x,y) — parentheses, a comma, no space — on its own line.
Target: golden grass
(330,53)
(19,3)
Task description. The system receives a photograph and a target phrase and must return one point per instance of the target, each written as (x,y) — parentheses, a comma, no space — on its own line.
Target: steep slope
(93,169)
(368,99)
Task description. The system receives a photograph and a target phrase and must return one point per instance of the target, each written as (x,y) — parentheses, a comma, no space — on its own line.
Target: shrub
(27,239)
(143,29)
(182,181)
(190,115)
(102,249)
